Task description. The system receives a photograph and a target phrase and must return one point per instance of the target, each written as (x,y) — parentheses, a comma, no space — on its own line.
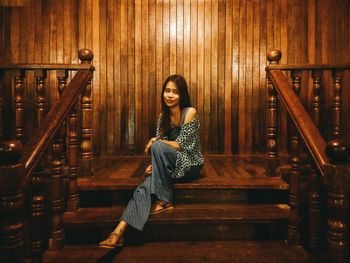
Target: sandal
(107,242)
(161,206)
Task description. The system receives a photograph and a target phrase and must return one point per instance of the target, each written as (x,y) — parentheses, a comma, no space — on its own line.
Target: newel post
(85,161)
(12,215)
(273,161)
(338,184)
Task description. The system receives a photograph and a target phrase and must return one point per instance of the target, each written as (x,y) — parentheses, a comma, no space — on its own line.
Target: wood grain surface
(219,46)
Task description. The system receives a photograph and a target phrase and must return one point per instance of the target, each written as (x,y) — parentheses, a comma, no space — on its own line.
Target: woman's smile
(171,95)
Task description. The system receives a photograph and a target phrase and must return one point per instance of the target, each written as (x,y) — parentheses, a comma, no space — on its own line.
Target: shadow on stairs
(232,213)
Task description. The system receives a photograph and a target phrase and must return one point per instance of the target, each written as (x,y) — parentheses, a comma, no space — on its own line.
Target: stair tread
(203,183)
(188,213)
(193,251)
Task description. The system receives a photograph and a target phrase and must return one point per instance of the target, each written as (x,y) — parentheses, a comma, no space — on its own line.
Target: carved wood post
(1,107)
(295,188)
(12,218)
(40,77)
(19,104)
(337,182)
(56,241)
(37,220)
(37,223)
(73,196)
(314,191)
(316,88)
(85,162)
(273,160)
(62,76)
(337,103)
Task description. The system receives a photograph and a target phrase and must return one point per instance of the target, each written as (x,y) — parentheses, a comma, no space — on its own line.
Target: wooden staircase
(232,200)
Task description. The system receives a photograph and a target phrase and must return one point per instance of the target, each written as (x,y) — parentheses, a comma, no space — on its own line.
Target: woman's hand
(148,170)
(149,144)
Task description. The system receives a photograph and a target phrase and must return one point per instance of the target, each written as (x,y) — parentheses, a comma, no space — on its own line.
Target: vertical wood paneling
(145,77)
(194,52)
(103,107)
(242,118)
(152,84)
(221,76)
(139,99)
(171,15)
(180,30)
(159,57)
(228,74)
(110,99)
(96,91)
(219,46)
(207,76)
(200,65)
(131,76)
(257,104)
(233,88)
(213,135)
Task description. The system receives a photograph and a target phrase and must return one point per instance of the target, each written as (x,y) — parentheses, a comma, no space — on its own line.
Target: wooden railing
(36,189)
(321,223)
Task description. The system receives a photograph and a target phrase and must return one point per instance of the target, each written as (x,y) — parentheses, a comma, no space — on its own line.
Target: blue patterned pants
(158,186)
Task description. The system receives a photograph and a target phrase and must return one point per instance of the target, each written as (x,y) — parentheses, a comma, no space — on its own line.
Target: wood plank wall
(219,46)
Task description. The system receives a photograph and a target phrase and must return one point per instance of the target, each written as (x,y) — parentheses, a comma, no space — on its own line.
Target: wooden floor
(219,171)
(171,252)
(215,166)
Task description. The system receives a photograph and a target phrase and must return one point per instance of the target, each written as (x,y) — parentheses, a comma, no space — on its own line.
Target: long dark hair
(185,101)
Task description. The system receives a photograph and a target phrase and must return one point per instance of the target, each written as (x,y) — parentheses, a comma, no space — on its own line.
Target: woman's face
(171,95)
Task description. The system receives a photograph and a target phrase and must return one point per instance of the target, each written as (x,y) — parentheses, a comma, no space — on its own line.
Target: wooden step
(171,252)
(185,222)
(108,192)
(275,183)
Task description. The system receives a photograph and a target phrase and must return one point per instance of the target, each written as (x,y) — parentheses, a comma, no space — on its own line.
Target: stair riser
(92,234)
(104,198)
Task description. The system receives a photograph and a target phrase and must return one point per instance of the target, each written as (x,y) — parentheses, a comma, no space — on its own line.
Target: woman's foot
(161,206)
(114,240)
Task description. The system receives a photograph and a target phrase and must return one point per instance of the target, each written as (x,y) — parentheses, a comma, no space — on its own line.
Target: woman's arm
(173,144)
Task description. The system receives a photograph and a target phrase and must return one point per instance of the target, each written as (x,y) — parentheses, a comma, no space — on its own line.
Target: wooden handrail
(307,66)
(36,146)
(307,129)
(45,66)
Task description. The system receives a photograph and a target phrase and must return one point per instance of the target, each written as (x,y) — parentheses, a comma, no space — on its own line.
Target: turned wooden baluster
(38,218)
(37,221)
(314,193)
(294,191)
(12,223)
(337,103)
(62,76)
(40,77)
(19,104)
(316,88)
(1,107)
(73,195)
(56,241)
(273,160)
(338,182)
(85,161)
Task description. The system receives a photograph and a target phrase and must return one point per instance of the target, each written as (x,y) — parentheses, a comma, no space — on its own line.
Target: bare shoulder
(191,114)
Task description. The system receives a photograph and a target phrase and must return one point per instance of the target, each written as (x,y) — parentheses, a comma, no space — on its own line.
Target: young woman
(176,157)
